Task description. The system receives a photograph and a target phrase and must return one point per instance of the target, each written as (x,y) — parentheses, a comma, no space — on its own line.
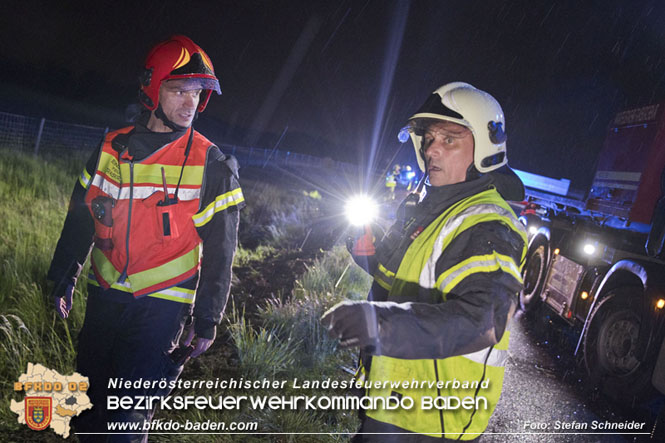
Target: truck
(597,261)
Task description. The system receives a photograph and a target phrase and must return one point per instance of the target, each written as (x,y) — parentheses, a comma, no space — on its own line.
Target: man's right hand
(354,323)
(63,304)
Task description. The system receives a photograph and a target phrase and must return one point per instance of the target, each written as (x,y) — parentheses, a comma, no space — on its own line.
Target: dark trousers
(131,341)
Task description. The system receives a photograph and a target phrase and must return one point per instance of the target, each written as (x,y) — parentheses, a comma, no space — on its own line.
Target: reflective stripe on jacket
(151,245)
(460,376)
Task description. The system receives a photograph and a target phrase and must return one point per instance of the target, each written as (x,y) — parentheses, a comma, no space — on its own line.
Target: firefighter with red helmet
(156,209)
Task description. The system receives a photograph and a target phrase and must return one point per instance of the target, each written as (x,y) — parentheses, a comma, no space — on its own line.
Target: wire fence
(39,136)
(30,134)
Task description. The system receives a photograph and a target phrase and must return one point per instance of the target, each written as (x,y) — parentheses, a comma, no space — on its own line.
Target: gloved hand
(201,345)
(354,323)
(63,303)
(362,244)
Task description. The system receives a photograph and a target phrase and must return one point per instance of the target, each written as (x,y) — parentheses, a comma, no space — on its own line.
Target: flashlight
(589,249)
(361,210)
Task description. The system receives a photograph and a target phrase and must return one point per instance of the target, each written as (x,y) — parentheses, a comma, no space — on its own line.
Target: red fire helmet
(177,58)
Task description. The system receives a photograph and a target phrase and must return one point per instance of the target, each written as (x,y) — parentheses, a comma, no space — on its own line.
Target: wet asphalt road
(544,390)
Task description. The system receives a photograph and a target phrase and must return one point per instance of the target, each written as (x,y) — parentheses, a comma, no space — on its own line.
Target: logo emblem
(38,412)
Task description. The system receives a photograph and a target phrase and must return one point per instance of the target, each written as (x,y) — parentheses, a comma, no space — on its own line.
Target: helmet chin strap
(472,172)
(159,113)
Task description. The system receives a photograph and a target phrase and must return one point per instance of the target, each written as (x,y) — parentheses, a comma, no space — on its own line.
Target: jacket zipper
(123,276)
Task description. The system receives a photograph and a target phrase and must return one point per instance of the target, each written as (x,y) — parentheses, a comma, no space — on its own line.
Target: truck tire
(611,343)
(534,276)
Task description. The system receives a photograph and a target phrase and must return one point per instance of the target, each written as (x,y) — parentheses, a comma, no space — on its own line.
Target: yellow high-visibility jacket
(448,299)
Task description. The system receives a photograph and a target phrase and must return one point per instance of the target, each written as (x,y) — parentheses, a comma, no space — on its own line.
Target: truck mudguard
(633,272)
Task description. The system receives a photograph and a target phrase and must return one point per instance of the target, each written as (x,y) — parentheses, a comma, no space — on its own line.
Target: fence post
(39,136)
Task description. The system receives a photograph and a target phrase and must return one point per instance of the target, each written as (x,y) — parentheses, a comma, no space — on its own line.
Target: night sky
(342,77)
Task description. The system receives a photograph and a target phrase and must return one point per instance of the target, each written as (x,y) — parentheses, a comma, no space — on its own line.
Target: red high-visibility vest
(143,244)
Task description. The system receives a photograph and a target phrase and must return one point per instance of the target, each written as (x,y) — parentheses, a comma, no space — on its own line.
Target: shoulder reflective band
(481,263)
(84,179)
(231,198)
(384,277)
(467,218)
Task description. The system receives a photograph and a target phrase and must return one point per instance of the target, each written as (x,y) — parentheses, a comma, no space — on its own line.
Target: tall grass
(34,194)
(329,280)
(295,342)
(261,352)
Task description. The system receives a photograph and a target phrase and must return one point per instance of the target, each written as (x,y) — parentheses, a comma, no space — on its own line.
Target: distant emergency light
(361,210)
(403,135)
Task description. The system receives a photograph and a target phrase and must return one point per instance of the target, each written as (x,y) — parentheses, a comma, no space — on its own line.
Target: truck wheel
(534,277)
(611,346)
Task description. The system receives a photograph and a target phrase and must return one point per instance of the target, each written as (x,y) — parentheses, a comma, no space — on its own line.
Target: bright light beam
(361,210)
(397,26)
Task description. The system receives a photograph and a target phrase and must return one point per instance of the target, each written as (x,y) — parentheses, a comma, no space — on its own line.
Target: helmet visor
(209,83)
(420,126)
(195,81)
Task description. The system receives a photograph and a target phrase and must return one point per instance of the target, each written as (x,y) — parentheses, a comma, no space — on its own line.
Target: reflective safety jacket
(147,243)
(391,180)
(150,242)
(443,327)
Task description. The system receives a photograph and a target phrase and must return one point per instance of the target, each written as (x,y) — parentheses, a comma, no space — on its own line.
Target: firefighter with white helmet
(156,209)
(446,279)
(462,104)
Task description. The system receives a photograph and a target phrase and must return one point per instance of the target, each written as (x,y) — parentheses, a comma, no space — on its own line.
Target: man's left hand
(201,345)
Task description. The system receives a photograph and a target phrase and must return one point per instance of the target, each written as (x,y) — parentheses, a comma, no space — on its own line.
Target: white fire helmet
(463,104)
